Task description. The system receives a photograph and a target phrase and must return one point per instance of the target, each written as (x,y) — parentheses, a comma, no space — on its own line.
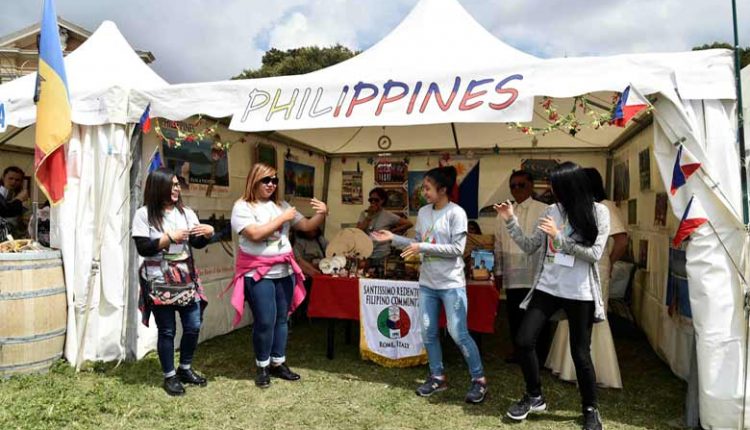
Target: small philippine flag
(628,106)
(693,218)
(684,166)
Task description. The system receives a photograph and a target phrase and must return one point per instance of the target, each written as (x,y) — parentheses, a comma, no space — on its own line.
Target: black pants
(513,299)
(581,320)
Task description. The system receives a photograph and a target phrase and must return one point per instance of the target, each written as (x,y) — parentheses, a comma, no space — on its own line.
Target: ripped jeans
(455,303)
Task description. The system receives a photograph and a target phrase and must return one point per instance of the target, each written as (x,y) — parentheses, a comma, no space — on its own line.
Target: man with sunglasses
(514,270)
(375,218)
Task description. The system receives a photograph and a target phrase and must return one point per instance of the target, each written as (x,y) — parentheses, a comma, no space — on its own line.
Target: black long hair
(596,184)
(573,191)
(443,177)
(157,194)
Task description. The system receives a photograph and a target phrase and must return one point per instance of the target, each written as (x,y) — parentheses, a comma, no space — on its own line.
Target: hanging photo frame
(391,172)
(265,153)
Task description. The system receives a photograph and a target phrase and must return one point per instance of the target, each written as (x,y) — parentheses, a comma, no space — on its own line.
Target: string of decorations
(187,132)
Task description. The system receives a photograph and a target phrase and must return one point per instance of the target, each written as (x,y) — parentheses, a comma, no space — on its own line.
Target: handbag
(177,287)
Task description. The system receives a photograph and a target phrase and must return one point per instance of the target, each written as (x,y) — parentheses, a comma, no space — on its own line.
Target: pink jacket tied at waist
(246,263)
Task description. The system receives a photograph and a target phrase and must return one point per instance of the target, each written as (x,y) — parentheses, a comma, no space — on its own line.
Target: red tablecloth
(333,297)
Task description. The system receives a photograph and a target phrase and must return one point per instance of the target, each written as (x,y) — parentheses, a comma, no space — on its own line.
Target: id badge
(564,260)
(175,248)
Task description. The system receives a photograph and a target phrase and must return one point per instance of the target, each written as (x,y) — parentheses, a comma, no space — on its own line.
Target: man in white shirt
(514,269)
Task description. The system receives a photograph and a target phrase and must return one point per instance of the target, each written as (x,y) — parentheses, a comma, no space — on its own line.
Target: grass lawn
(345,393)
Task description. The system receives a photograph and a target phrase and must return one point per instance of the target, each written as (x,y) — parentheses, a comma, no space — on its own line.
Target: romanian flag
(684,166)
(53,124)
(628,106)
(693,218)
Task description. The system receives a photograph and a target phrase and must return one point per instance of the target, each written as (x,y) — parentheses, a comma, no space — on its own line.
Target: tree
(297,61)
(744,52)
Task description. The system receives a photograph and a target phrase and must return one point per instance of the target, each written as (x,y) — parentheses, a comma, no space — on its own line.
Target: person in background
(12,199)
(572,234)
(266,272)
(309,248)
(375,218)
(514,269)
(440,240)
(604,354)
(474,227)
(163,230)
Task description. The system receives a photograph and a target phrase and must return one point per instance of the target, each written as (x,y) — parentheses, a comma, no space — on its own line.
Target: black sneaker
(477,392)
(284,372)
(591,419)
(173,386)
(431,386)
(521,409)
(262,377)
(188,376)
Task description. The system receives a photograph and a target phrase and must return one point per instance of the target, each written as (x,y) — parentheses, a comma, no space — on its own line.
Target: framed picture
(633,211)
(644,169)
(660,210)
(265,153)
(621,182)
(643,254)
(397,199)
(299,180)
(416,198)
(540,169)
(204,168)
(391,172)
(351,188)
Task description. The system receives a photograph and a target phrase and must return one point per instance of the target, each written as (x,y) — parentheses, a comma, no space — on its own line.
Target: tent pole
(455,138)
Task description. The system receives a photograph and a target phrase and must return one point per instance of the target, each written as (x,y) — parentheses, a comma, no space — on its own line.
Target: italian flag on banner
(390,327)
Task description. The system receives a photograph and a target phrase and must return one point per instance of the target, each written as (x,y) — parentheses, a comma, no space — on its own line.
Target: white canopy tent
(341,110)
(407,83)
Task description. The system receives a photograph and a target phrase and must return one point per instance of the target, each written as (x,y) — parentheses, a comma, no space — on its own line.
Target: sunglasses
(518,185)
(269,180)
(373,200)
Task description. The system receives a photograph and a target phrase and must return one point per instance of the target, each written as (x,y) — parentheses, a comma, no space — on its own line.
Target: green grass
(345,393)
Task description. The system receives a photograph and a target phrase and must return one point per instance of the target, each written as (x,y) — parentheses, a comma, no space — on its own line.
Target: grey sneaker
(591,419)
(477,392)
(521,409)
(431,386)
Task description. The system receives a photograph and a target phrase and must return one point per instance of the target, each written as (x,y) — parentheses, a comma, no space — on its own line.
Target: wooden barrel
(33,311)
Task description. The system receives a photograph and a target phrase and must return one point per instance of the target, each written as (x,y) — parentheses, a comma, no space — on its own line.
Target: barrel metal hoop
(32,364)
(18,295)
(34,338)
(29,266)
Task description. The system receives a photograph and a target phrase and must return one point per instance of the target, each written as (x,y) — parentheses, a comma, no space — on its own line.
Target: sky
(210,40)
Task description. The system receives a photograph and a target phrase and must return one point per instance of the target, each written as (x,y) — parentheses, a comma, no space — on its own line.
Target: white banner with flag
(389,323)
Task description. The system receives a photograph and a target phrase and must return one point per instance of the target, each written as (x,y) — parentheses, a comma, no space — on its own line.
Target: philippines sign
(389,323)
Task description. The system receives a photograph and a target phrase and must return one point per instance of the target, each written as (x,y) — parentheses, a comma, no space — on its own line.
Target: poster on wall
(540,171)
(397,199)
(678,297)
(265,153)
(644,169)
(391,172)
(351,188)
(621,182)
(299,180)
(204,168)
(633,211)
(467,179)
(643,254)
(416,198)
(660,210)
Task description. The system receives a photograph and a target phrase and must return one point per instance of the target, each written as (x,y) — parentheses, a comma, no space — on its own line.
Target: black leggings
(581,320)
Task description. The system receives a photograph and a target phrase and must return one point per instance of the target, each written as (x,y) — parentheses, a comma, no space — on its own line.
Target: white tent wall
(494,174)
(95,198)
(671,338)
(214,265)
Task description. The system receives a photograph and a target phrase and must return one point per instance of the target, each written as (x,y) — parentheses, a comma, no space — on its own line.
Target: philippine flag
(145,120)
(628,106)
(693,218)
(684,166)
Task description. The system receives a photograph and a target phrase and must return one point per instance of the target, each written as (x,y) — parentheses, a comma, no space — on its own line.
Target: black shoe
(173,386)
(431,386)
(477,392)
(591,419)
(521,409)
(262,377)
(188,376)
(284,372)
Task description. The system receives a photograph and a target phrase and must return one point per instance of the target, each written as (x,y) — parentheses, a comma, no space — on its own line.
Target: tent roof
(100,74)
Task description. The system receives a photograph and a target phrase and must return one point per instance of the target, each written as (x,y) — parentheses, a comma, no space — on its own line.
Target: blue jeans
(166,326)
(455,303)
(269,299)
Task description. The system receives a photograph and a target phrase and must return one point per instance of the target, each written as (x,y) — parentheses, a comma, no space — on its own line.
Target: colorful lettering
(251,106)
(468,95)
(512,92)
(275,107)
(387,90)
(435,88)
(358,101)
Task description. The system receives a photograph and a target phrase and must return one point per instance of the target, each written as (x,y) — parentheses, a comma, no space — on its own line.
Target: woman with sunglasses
(440,241)
(572,235)
(266,273)
(164,229)
(375,218)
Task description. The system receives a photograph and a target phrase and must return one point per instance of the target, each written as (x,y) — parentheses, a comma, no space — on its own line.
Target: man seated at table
(375,218)
(309,248)
(12,198)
